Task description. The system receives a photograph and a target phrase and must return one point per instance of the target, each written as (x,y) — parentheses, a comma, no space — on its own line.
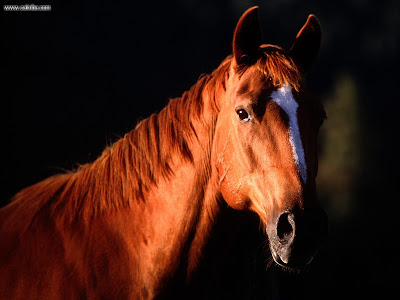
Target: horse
(138,222)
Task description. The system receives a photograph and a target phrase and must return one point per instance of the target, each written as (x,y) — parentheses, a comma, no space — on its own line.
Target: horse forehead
(251,83)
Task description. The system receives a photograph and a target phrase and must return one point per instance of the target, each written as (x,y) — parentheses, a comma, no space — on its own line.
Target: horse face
(266,141)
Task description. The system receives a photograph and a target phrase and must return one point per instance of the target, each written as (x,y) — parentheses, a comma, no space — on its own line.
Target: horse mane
(129,167)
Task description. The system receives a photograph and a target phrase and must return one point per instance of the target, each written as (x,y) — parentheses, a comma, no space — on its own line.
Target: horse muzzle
(296,237)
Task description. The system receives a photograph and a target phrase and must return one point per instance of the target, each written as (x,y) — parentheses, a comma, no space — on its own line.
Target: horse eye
(243,115)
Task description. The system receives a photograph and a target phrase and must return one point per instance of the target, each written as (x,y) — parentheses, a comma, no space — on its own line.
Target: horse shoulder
(109,257)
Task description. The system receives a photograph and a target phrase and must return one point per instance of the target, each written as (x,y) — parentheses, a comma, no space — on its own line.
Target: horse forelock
(276,65)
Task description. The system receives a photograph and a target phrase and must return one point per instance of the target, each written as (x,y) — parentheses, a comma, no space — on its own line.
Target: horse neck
(165,182)
(180,200)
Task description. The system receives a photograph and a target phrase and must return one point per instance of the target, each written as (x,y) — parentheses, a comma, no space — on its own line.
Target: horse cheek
(232,191)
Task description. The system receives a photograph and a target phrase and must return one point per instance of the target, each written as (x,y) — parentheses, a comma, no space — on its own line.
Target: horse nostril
(285,227)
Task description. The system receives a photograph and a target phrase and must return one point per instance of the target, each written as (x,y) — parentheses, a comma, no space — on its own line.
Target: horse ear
(247,37)
(306,46)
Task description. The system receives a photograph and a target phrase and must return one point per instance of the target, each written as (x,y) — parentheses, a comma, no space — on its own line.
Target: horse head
(265,145)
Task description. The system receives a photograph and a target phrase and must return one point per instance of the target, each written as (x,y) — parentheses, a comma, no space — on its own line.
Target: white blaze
(284,98)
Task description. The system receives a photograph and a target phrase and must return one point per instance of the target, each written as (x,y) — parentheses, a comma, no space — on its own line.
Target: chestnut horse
(135,222)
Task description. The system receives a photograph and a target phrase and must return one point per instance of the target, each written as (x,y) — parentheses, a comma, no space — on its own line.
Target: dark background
(77,78)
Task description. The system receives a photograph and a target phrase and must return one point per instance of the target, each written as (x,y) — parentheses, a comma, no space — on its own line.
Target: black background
(77,78)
